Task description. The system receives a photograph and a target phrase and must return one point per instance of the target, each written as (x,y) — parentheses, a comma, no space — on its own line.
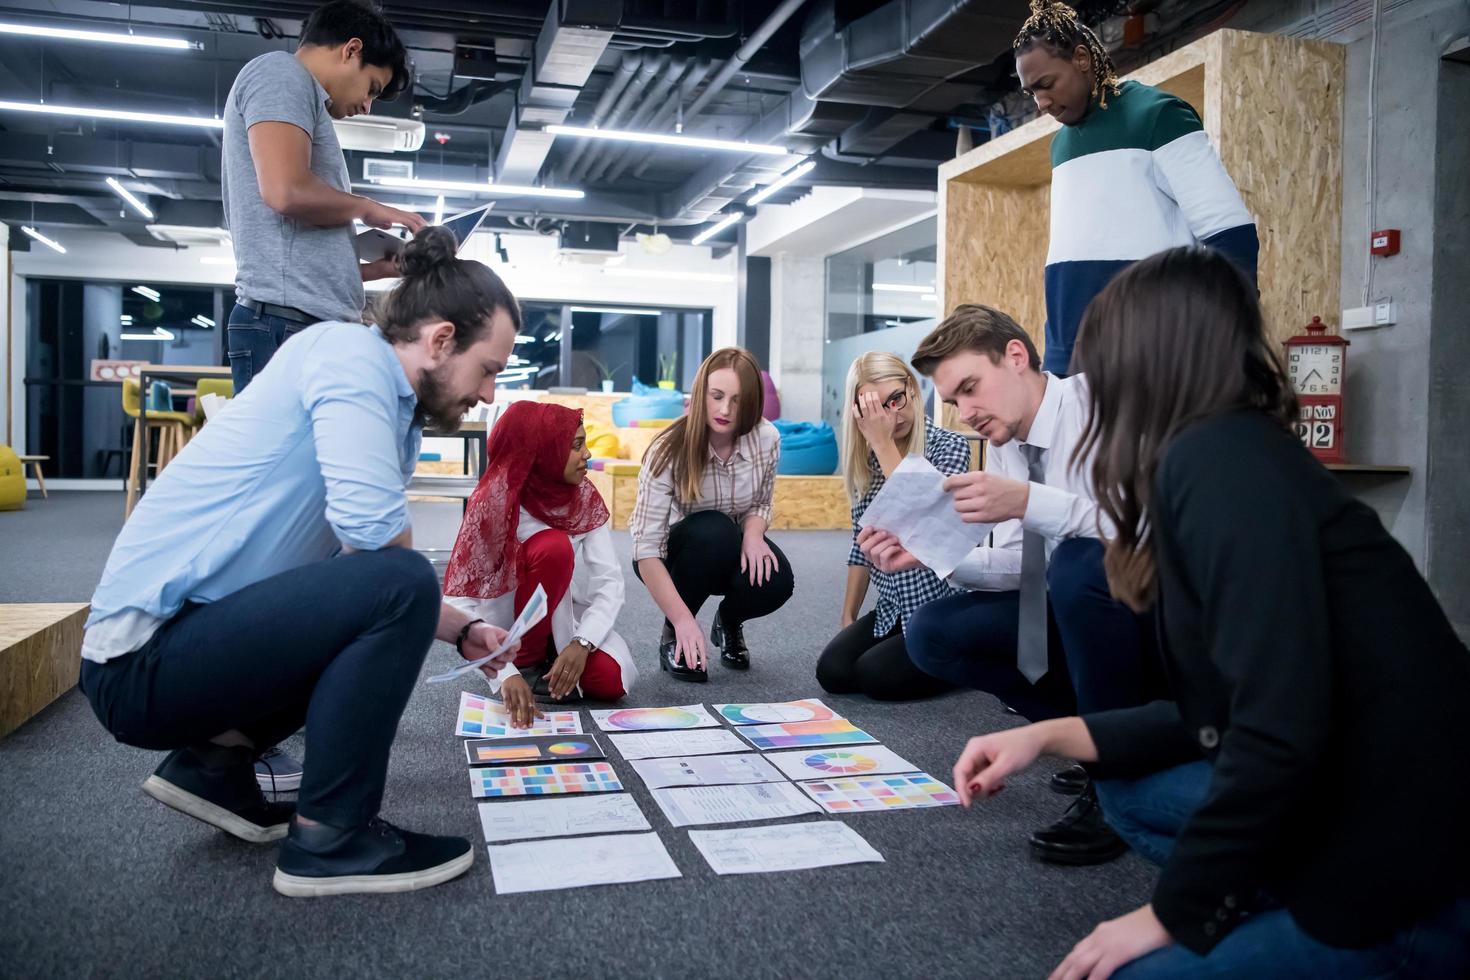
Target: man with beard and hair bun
(269,580)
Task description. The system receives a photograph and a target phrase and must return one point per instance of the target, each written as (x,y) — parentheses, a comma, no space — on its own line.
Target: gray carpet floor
(100,880)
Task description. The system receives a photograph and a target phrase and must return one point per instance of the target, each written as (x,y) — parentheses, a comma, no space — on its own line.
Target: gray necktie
(1031,634)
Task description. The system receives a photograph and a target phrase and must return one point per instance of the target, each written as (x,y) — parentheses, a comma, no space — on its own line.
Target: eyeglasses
(894,402)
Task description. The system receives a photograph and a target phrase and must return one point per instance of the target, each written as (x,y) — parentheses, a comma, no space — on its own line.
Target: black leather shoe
(1070,781)
(378,858)
(731,641)
(666,646)
(216,784)
(1080,837)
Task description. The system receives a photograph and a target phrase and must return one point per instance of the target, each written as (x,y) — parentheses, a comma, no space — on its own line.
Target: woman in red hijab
(535,519)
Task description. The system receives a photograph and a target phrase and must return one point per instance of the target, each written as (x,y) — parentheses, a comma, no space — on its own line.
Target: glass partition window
(887,282)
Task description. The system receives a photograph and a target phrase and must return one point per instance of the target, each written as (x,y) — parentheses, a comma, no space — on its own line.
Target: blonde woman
(884,422)
(699,523)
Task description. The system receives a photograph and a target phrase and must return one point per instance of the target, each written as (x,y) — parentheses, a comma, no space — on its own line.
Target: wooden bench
(35,464)
(40,657)
(801,502)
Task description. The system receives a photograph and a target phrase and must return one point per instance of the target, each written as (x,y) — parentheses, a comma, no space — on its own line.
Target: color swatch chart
(533,748)
(577,777)
(866,794)
(808,709)
(857,760)
(480,717)
(654,719)
(804,734)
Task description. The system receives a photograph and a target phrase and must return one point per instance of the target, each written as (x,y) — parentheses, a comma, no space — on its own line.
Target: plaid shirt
(741,487)
(901,593)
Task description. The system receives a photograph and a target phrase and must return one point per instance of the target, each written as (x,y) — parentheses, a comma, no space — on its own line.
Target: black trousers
(857,662)
(337,645)
(704,560)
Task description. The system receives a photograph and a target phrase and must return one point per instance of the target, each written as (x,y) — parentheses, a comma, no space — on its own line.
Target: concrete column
(798,333)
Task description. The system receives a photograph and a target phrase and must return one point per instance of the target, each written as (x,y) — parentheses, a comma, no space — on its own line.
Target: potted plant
(668,365)
(608,374)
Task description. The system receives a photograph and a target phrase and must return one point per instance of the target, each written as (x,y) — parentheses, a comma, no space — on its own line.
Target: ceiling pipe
(744,53)
(654,100)
(627,68)
(697,70)
(632,95)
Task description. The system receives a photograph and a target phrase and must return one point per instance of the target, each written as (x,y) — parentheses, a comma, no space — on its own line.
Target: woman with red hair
(535,519)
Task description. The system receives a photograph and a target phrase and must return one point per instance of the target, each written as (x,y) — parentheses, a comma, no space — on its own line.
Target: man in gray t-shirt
(287,193)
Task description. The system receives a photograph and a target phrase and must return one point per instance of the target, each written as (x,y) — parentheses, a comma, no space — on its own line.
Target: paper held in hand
(913,507)
(530,616)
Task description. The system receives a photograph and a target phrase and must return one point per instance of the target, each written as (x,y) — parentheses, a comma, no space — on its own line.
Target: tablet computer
(376,243)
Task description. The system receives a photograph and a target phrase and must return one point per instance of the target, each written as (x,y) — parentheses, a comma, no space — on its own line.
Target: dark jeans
(253,339)
(337,644)
(857,662)
(1149,813)
(704,560)
(1101,653)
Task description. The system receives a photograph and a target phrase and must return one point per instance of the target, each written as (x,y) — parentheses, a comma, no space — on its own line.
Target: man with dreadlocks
(1133,172)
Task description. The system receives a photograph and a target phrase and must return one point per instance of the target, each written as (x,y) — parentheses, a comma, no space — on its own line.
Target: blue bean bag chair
(807,448)
(647,403)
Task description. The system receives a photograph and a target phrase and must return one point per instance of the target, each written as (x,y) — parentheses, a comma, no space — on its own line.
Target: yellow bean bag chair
(12,480)
(602,442)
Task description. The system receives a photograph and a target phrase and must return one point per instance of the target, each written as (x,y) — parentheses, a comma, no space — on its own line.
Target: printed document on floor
(575,862)
(913,506)
(787,847)
(527,819)
(656,744)
(706,770)
(732,804)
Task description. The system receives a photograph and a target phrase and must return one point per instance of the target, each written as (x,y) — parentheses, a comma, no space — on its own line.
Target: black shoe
(379,858)
(217,784)
(1080,837)
(1069,781)
(730,638)
(666,647)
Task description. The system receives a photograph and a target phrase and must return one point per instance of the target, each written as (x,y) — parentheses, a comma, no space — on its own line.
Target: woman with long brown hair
(699,523)
(1319,685)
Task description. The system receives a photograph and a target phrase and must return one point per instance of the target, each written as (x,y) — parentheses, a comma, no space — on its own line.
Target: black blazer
(1314,668)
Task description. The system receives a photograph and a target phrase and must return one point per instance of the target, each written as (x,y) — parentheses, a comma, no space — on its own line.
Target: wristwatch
(464,634)
(586,643)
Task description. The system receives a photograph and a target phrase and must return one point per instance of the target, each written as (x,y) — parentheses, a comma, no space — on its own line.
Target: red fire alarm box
(1385,242)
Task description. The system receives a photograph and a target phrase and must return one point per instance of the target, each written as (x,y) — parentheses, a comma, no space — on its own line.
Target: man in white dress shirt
(1038,628)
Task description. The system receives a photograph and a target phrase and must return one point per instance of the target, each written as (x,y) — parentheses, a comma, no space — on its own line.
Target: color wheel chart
(868,794)
(580,777)
(838,763)
(804,734)
(479,717)
(809,709)
(654,719)
(858,760)
(533,748)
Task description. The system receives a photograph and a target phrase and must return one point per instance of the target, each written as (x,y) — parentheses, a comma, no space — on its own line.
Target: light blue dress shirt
(314,455)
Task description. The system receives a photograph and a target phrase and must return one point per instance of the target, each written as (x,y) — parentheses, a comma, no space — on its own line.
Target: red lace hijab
(525,462)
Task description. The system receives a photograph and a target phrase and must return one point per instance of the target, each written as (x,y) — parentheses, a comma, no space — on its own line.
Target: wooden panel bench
(40,657)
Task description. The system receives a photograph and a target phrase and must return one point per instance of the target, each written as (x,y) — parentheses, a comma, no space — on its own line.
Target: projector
(379,134)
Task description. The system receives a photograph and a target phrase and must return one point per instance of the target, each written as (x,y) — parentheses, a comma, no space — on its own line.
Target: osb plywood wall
(1273,107)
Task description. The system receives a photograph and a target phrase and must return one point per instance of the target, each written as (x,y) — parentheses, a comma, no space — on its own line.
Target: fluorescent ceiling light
(130,197)
(516,361)
(152,294)
(438,211)
(419,185)
(43,239)
(667,139)
(614,309)
(158,334)
(126,318)
(899,287)
(203,321)
(524,339)
(102,37)
(217,260)
(715,229)
(781,181)
(626,273)
(119,115)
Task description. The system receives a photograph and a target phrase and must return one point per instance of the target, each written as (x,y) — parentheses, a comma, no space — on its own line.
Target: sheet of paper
(657,744)
(480,717)
(687,805)
(786,847)
(706,770)
(534,610)
(804,734)
(808,709)
(654,719)
(504,750)
(526,819)
(913,507)
(573,777)
(575,862)
(867,794)
(858,760)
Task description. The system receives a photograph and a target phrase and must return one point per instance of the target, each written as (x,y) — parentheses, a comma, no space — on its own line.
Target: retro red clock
(1316,363)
